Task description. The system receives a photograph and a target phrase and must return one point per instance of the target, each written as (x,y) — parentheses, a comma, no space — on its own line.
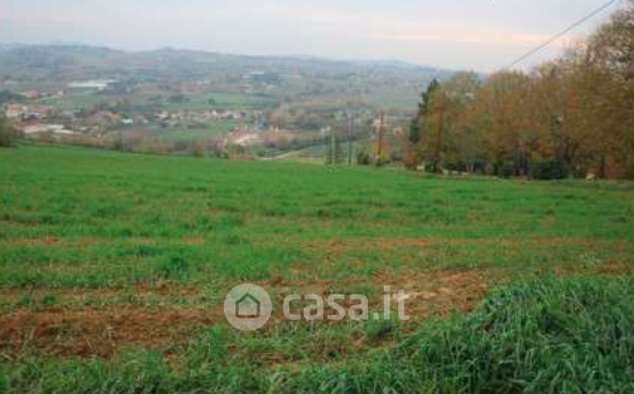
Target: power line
(559,35)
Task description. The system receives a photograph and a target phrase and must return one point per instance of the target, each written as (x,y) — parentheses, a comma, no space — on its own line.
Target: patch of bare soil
(90,331)
(425,294)
(437,293)
(94,332)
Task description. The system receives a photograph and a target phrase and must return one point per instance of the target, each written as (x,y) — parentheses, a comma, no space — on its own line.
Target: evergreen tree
(424,107)
(413,151)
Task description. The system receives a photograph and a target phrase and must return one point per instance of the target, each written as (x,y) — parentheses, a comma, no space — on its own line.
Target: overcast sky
(460,34)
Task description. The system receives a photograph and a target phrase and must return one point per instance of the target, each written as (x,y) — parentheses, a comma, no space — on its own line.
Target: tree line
(573,116)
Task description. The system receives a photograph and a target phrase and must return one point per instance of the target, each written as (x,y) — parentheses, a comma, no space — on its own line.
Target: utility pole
(333,147)
(380,139)
(350,125)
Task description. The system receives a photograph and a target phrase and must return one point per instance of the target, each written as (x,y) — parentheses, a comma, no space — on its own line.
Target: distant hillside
(57,65)
(22,60)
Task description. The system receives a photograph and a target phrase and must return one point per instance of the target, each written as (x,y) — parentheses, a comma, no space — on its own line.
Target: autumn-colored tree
(501,114)
(463,143)
(612,46)
(611,51)
(556,113)
(573,115)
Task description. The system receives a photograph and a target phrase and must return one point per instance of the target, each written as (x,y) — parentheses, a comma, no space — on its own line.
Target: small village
(33,117)
(182,117)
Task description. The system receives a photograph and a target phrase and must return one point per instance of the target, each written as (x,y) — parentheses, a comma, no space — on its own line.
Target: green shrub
(505,169)
(548,170)
(363,158)
(8,135)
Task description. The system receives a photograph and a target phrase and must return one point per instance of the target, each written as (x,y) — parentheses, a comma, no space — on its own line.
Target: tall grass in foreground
(572,336)
(569,335)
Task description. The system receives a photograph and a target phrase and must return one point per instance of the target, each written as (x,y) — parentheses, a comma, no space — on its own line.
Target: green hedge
(548,170)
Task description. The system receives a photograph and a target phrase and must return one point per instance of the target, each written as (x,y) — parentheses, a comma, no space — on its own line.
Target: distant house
(37,128)
(163,115)
(15,111)
(98,84)
(38,112)
(241,137)
(25,112)
(32,94)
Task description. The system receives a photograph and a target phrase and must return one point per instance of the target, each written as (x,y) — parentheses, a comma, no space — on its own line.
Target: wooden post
(380,141)
(350,125)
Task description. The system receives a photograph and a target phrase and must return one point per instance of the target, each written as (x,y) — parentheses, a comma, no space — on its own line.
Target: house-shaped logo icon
(247,307)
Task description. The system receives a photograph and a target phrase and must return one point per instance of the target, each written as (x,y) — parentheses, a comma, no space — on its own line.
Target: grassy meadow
(114,268)
(222,100)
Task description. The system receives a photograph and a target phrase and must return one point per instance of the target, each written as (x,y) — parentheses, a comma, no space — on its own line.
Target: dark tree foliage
(416,127)
(8,134)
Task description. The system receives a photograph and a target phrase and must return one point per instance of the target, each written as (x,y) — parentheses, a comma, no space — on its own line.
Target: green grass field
(114,268)
(77,101)
(234,101)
